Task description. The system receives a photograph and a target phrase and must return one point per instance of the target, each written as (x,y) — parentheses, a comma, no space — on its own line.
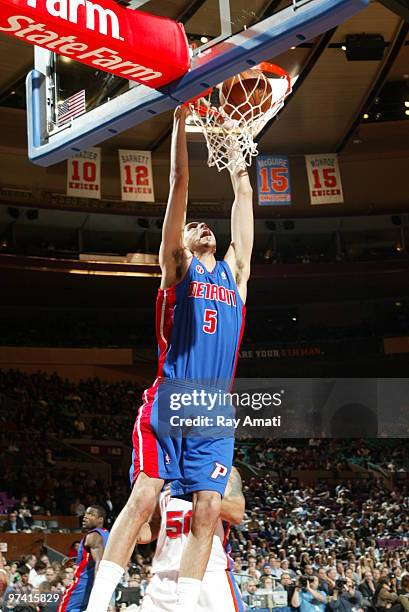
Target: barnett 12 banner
(273,180)
(136,175)
(324,179)
(128,43)
(84,174)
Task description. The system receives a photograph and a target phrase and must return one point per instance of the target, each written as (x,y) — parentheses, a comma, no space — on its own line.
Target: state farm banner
(324,179)
(273,180)
(84,174)
(131,44)
(136,175)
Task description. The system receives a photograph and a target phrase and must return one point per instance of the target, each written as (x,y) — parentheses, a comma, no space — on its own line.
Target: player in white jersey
(219,590)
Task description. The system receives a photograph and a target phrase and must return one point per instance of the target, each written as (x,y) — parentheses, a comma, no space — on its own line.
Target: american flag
(71,107)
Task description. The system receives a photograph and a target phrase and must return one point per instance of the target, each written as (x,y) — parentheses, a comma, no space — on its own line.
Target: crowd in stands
(342,547)
(325,546)
(39,411)
(37,584)
(331,454)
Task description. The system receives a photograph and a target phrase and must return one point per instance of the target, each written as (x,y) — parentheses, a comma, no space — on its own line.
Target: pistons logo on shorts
(199,269)
(219,470)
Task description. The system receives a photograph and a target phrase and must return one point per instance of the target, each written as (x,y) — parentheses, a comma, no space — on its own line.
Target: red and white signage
(324,179)
(84,174)
(128,43)
(136,175)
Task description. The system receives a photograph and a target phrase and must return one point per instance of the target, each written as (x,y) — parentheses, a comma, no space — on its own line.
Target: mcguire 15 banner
(273,180)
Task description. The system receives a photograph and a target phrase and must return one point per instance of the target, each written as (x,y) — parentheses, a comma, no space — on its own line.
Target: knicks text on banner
(128,43)
(273,180)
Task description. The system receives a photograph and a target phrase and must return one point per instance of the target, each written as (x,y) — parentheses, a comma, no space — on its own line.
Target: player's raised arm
(171,254)
(233,503)
(238,255)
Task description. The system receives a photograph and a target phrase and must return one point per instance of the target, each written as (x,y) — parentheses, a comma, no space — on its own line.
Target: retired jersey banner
(136,175)
(84,174)
(273,180)
(324,179)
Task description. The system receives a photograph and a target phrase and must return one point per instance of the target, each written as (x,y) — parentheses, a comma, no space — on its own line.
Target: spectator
(285,584)
(346,598)
(18,589)
(367,588)
(73,550)
(403,598)
(238,571)
(323,581)
(275,569)
(37,574)
(384,595)
(14,523)
(250,592)
(50,574)
(307,596)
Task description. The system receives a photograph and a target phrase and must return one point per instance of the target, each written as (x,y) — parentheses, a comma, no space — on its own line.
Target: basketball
(246,94)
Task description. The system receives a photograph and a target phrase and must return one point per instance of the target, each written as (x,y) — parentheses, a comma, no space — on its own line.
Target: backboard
(225,38)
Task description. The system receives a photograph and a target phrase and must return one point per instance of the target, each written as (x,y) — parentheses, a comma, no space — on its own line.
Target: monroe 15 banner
(324,179)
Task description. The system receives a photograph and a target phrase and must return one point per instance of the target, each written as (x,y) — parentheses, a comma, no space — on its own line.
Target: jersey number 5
(178,523)
(210,321)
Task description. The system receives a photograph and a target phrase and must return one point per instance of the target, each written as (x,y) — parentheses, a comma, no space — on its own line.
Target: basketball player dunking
(200,319)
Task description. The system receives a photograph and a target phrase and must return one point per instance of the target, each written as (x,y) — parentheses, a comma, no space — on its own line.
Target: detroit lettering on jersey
(211,291)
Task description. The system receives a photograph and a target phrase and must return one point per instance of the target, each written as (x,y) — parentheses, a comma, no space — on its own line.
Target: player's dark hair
(100,510)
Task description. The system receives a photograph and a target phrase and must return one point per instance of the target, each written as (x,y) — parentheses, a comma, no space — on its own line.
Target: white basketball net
(230,130)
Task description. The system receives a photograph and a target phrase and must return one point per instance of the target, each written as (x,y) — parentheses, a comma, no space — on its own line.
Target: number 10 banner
(273,180)
(136,175)
(84,174)
(324,179)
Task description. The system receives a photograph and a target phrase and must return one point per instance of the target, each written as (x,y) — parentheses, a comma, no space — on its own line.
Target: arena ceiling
(325,112)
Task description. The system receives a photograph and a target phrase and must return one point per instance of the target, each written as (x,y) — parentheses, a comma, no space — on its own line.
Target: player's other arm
(94,543)
(238,255)
(233,503)
(172,256)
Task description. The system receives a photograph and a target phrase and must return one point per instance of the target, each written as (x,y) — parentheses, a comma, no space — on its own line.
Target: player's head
(199,238)
(94,517)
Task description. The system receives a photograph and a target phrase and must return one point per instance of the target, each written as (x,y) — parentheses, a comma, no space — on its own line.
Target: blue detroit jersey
(200,322)
(75,599)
